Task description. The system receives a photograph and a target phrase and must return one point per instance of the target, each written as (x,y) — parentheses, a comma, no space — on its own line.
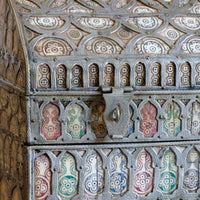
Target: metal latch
(116,113)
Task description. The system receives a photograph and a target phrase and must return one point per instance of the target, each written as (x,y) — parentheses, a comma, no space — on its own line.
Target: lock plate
(116,113)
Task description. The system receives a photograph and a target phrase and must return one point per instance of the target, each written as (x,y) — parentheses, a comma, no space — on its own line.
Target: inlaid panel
(137,76)
(77,77)
(171,74)
(191,175)
(109,75)
(140,74)
(185,74)
(42,177)
(168,174)
(61,76)
(125,75)
(119,174)
(67,178)
(43,77)
(81,119)
(143,180)
(75,121)
(50,126)
(172,124)
(149,122)
(94,75)
(93,175)
(120,171)
(155,74)
(193,122)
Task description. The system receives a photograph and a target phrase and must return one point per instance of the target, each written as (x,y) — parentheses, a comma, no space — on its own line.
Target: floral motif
(124,34)
(191,45)
(50,125)
(94,75)
(53,47)
(172,124)
(74,34)
(193,122)
(42,177)
(118,4)
(143,175)
(171,33)
(185,74)
(43,77)
(125,75)
(77,77)
(103,46)
(61,76)
(149,122)
(170,74)
(151,46)
(140,74)
(109,75)
(67,178)
(93,177)
(191,23)
(155,74)
(168,175)
(48,23)
(75,121)
(119,175)
(196,8)
(191,180)
(96,23)
(146,23)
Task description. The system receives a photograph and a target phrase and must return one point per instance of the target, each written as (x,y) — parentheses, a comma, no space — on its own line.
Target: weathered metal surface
(129,171)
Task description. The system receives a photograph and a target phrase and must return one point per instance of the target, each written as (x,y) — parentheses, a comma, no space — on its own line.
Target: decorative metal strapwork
(149,118)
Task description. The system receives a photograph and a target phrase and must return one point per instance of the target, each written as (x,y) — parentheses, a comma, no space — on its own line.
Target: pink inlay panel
(50,124)
(143,175)
(149,122)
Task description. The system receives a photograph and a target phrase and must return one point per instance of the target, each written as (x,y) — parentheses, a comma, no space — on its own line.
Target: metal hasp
(116,113)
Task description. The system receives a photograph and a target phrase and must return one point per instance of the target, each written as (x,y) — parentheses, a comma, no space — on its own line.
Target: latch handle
(117,114)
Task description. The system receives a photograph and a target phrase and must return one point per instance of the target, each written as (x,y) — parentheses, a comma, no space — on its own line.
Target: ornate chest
(100,99)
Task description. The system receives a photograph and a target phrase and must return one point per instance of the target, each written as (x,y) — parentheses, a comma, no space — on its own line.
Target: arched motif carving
(16,195)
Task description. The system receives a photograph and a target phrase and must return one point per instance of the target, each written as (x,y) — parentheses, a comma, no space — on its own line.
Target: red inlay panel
(149,122)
